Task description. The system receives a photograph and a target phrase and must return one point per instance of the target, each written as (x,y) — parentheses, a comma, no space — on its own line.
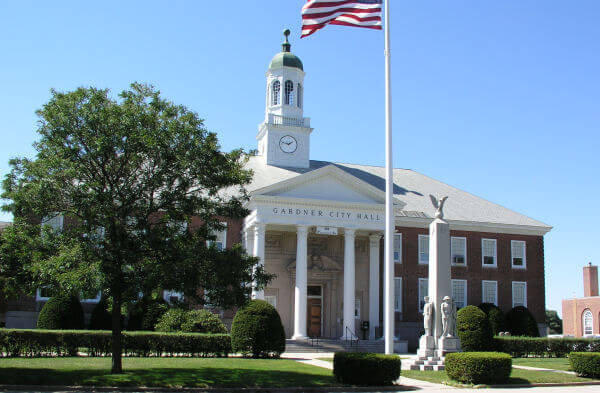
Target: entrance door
(314,317)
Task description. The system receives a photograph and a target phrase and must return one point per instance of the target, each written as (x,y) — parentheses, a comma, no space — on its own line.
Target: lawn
(551,363)
(164,372)
(517,376)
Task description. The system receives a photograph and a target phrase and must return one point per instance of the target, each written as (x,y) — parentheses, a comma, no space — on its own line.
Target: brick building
(581,316)
(318,226)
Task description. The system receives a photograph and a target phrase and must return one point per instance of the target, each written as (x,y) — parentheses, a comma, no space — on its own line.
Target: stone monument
(439,311)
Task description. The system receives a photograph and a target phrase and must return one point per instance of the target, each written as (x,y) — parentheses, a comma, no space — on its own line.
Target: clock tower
(284,136)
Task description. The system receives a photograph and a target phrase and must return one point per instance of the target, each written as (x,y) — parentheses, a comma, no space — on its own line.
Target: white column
(301,282)
(439,268)
(249,240)
(349,282)
(258,250)
(373,284)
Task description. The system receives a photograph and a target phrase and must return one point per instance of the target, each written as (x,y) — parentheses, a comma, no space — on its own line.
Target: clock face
(288,144)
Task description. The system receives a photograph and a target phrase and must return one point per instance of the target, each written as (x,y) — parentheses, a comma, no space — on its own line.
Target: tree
(128,175)
(554,322)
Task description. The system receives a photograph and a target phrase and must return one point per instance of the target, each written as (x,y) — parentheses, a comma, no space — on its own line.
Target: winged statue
(439,205)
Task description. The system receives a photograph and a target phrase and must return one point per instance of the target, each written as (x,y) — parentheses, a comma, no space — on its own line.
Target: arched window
(299,95)
(275,91)
(588,323)
(289,93)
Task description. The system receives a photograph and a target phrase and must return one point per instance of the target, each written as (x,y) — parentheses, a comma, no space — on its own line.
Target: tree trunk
(117,366)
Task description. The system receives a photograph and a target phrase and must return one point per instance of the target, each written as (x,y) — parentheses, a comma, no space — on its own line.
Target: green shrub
(61,312)
(257,330)
(545,347)
(145,313)
(203,321)
(473,329)
(35,343)
(520,322)
(586,364)
(101,318)
(479,367)
(495,317)
(171,321)
(354,368)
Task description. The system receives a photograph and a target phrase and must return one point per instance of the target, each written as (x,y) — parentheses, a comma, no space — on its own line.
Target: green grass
(517,376)
(164,372)
(551,363)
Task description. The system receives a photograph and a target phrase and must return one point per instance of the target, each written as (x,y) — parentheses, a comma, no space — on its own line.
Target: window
(289,93)
(43,294)
(518,254)
(56,222)
(172,296)
(275,91)
(272,300)
(519,294)
(91,297)
(458,251)
(488,252)
(588,323)
(220,239)
(398,294)
(398,247)
(489,292)
(299,96)
(423,249)
(459,293)
(423,291)
(356,308)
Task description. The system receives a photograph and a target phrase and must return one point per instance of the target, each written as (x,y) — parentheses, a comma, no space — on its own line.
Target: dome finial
(286,46)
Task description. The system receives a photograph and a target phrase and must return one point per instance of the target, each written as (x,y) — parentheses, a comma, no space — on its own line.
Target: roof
(410,187)
(4,224)
(286,59)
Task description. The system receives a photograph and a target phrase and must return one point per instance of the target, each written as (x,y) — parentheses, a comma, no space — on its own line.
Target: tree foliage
(554,322)
(128,175)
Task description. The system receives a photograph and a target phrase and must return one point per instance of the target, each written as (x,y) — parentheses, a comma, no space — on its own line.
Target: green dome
(285,58)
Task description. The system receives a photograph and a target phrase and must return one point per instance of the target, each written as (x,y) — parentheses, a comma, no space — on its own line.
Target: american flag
(316,14)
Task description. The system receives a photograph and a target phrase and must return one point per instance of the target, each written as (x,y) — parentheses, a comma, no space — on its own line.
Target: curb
(313,389)
(537,385)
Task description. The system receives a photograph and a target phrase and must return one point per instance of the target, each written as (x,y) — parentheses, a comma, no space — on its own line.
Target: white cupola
(284,136)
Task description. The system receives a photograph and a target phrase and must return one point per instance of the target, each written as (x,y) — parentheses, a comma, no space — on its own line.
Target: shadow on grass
(165,377)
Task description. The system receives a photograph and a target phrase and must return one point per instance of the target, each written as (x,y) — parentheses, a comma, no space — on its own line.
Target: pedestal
(446,345)
(426,346)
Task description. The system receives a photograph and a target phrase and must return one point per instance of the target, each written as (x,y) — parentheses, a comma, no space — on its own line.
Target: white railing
(289,120)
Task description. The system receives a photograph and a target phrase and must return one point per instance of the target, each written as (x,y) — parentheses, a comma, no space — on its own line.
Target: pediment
(328,183)
(318,263)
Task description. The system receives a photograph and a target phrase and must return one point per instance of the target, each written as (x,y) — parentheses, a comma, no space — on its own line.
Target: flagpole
(389,193)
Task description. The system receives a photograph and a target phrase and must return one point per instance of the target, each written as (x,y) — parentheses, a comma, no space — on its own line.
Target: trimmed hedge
(495,316)
(354,368)
(195,321)
(171,321)
(61,312)
(38,343)
(101,318)
(545,347)
(473,329)
(479,367)
(520,322)
(257,330)
(145,313)
(586,364)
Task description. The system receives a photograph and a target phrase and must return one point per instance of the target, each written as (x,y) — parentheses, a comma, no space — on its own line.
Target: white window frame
(422,295)
(398,238)
(39,297)
(217,234)
(271,299)
(356,308)
(167,295)
(483,283)
(495,253)
(276,96)
(512,256)
(464,239)
(398,295)
(422,251)
(57,222)
(464,290)
(524,293)
(587,313)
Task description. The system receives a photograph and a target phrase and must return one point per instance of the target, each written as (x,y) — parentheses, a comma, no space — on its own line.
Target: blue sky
(501,99)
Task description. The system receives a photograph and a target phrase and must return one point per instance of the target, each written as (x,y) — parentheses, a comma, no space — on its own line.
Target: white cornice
(474,226)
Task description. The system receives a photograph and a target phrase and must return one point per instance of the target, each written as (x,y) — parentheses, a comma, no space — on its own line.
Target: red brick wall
(572,311)
(590,280)
(474,272)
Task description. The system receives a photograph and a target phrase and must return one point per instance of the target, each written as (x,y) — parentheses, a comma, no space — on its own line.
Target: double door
(314,311)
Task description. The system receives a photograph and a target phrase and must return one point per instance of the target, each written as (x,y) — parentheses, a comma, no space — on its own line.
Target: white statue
(428,316)
(439,205)
(448,311)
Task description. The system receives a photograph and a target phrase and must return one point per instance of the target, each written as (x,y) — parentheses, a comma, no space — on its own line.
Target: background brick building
(581,316)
